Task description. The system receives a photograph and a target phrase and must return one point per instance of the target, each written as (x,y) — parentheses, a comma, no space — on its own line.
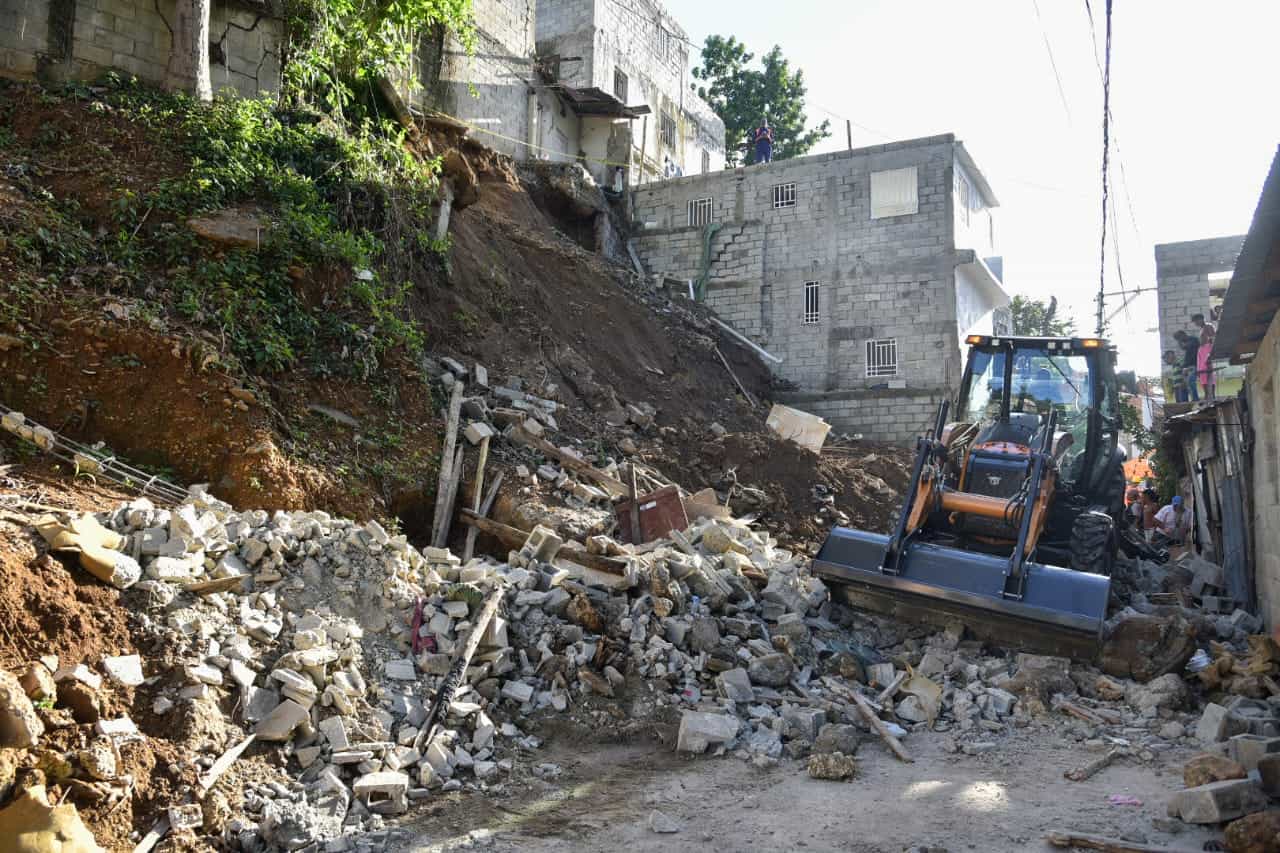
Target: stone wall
(82,39)
(491,90)
(1264,400)
(891,277)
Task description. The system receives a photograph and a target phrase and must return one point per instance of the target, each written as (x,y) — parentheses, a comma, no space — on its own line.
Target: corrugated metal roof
(1244,321)
(597,102)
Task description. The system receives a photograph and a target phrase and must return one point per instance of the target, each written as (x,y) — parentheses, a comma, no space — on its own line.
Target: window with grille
(706,161)
(699,212)
(662,42)
(668,131)
(620,84)
(882,357)
(784,195)
(811,305)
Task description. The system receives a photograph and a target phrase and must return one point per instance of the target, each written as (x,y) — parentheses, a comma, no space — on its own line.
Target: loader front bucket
(1061,612)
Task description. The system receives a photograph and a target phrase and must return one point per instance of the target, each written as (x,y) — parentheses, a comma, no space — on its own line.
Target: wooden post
(636,536)
(451,497)
(514,538)
(446,459)
(848,129)
(453,680)
(469,549)
(644,140)
(751,400)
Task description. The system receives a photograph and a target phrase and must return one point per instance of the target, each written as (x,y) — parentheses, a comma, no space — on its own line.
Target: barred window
(882,357)
(620,84)
(784,195)
(668,131)
(811,304)
(700,211)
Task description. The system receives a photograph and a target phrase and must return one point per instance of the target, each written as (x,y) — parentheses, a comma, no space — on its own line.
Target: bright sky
(1192,98)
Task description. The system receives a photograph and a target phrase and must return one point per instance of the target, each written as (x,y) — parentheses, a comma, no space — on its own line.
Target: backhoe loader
(1010,522)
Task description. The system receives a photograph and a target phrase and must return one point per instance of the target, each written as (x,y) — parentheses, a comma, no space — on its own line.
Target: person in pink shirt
(1204,362)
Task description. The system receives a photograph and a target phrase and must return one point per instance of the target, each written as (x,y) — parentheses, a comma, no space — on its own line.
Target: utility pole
(848,129)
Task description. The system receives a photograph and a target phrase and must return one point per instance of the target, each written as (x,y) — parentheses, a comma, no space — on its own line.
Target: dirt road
(1003,800)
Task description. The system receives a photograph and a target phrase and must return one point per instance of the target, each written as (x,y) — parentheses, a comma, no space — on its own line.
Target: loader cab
(1011,384)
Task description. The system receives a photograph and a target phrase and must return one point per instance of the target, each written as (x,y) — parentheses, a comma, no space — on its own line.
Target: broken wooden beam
(1109,845)
(457,671)
(750,400)
(215,771)
(451,497)
(612,485)
(868,713)
(514,538)
(1085,771)
(446,460)
(235,582)
(469,549)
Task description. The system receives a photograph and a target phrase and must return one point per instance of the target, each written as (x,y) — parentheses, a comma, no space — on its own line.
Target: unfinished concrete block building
(862,270)
(1192,278)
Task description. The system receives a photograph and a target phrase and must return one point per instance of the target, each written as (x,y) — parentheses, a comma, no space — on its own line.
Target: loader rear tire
(1093,542)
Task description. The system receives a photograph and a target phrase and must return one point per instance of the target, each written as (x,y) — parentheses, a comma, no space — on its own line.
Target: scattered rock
(773,670)
(1206,768)
(834,766)
(20,725)
(1255,833)
(661,823)
(1145,646)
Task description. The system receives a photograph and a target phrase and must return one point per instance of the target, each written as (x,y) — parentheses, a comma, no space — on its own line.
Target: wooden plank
(457,670)
(469,549)
(446,459)
(514,538)
(210,778)
(869,715)
(451,497)
(1086,771)
(614,487)
(892,689)
(216,585)
(736,381)
(1108,845)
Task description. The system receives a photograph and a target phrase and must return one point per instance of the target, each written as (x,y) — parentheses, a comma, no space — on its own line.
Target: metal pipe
(760,351)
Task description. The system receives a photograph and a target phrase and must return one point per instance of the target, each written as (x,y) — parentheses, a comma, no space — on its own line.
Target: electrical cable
(1052,63)
(1106,161)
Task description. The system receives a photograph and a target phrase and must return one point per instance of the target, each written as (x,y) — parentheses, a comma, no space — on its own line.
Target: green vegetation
(743,96)
(1034,318)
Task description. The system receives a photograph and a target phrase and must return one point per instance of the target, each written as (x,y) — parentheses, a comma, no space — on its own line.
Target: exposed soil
(1004,801)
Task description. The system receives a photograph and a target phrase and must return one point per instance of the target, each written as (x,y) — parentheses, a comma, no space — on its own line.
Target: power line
(1106,162)
(1053,64)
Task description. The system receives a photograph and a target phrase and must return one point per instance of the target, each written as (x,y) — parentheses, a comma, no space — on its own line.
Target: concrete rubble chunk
(838,737)
(517,691)
(20,725)
(700,730)
(1249,749)
(1205,768)
(37,681)
(773,670)
(280,724)
(735,685)
(125,670)
(1218,801)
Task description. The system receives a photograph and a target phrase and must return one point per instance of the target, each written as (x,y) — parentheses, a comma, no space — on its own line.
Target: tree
(743,95)
(1034,318)
(188,69)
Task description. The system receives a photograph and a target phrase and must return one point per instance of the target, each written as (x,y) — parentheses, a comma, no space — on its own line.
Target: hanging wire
(92,461)
(1052,63)
(1106,162)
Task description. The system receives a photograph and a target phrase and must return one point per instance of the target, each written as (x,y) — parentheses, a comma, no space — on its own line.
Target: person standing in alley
(1204,355)
(1173,522)
(762,138)
(1150,506)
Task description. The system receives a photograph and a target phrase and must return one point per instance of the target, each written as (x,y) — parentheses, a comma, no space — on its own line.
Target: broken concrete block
(384,792)
(661,823)
(478,431)
(517,691)
(1218,801)
(735,685)
(1248,749)
(125,669)
(20,725)
(281,722)
(542,545)
(806,721)
(773,670)
(80,673)
(401,670)
(1269,770)
(98,759)
(699,730)
(838,737)
(1217,724)
(334,730)
(37,682)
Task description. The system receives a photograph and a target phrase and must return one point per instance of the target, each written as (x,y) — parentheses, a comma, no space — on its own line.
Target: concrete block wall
(82,39)
(611,35)
(1263,388)
(489,89)
(893,416)
(1182,281)
(892,277)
